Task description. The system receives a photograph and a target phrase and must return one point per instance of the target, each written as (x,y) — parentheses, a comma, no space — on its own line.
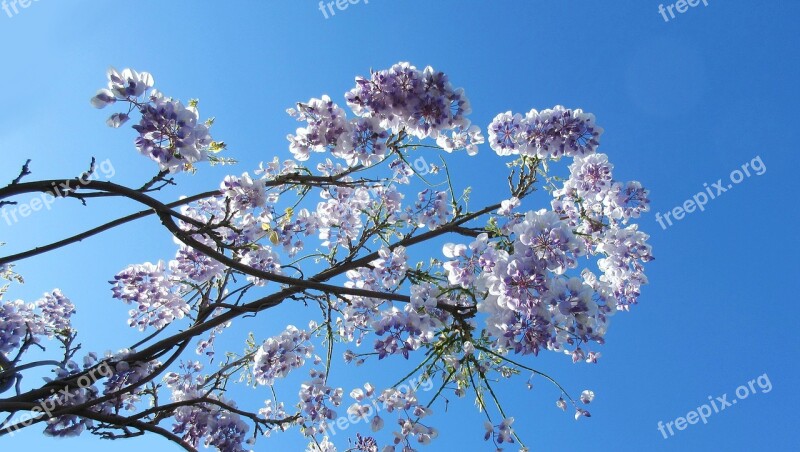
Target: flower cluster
(424,103)
(547,133)
(432,208)
(57,311)
(213,423)
(47,317)
(626,251)
(327,122)
(358,313)
(408,403)
(461,138)
(220,223)
(405,330)
(339,216)
(244,193)
(263,259)
(549,239)
(70,425)
(315,398)
(290,234)
(365,444)
(170,133)
(501,433)
(384,273)
(364,142)
(192,265)
(15,319)
(151,289)
(126,374)
(121,86)
(391,267)
(273,411)
(599,208)
(281,354)
(420,103)
(591,195)
(531,304)
(467,260)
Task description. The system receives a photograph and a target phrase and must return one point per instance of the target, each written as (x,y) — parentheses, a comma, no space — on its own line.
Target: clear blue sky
(683,103)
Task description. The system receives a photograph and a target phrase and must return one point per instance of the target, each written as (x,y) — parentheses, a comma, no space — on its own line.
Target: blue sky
(683,103)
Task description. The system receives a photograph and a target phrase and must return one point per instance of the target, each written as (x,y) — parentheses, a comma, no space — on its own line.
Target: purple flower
(432,209)
(192,265)
(15,319)
(56,312)
(550,239)
(504,134)
(151,290)
(280,355)
(263,259)
(169,134)
(549,133)
(424,103)
(103,98)
(364,142)
(244,193)
(326,123)
(128,83)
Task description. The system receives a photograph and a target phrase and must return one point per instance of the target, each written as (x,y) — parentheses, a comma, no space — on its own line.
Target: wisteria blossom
(46,318)
(170,133)
(149,288)
(57,310)
(244,193)
(422,102)
(505,134)
(16,319)
(461,138)
(190,264)
(318,402)
(277,356)
(547,133)
(363,142)
(262,259)
(327,122)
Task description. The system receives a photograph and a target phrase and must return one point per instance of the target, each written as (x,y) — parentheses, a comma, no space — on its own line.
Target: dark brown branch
(110,225)
(165,214)
(114,419)
(258,305)
(296,285)
(69,383)
(281,180)
(23,172)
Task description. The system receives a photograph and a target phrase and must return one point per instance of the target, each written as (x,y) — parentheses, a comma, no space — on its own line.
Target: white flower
(129,83)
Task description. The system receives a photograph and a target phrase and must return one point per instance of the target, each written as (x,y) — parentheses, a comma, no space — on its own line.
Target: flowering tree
(335,238)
